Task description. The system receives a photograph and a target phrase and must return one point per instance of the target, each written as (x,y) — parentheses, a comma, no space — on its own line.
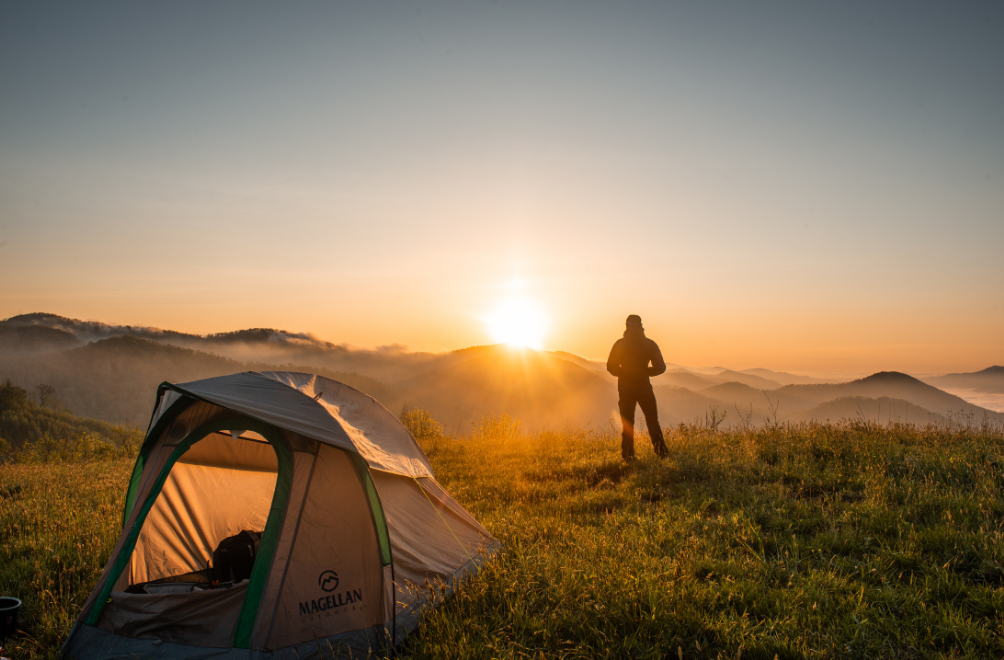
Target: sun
(519,322)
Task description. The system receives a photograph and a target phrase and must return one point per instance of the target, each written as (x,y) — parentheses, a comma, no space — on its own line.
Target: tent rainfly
(270,516)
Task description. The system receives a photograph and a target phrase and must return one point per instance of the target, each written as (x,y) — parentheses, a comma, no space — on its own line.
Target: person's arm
(658,364)
(614,361)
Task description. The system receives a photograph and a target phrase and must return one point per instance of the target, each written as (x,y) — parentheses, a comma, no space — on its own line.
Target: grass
(58,524)
(849,541)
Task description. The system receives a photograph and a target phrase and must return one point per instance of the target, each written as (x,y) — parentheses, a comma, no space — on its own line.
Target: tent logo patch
(328,581)
(334,603)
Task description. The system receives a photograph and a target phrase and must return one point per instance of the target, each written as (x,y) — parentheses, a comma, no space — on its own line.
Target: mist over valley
(110,373)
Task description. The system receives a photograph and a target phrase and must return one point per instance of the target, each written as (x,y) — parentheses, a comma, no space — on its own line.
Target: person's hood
(634,332)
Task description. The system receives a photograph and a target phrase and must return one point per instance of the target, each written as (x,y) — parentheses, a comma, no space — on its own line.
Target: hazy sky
(801,186)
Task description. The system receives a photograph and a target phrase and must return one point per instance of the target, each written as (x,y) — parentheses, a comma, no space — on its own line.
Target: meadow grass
(58,524)
(825,541)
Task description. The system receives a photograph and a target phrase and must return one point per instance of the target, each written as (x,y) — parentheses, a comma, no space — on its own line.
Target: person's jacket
(630,359)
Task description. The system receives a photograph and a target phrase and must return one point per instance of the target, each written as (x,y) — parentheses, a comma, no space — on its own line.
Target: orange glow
(519,322)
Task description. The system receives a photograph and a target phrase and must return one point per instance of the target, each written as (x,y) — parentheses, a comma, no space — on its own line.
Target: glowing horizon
(517,321)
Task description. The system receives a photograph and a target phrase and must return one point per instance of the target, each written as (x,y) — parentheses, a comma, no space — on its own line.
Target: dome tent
(350,522)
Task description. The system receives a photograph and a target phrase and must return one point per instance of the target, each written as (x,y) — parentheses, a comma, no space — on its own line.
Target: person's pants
(646,399)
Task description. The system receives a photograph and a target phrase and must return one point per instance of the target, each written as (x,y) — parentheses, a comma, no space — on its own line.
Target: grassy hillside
(826,541)
(25,422)
(116,379)
(849,541)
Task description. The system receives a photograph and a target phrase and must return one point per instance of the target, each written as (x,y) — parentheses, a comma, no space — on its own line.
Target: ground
(850,541)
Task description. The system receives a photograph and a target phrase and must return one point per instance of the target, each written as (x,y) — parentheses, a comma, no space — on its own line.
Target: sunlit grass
(837,542)
(58,524)
(824,542)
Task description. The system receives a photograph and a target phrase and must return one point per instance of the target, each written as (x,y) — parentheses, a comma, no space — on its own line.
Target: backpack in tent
(233,558)
(275,515)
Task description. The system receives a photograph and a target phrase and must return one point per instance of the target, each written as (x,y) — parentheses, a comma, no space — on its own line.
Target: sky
(809,187)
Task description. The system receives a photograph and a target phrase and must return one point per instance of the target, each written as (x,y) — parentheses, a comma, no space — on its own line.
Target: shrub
(498,427)
(421,423)
(81,448)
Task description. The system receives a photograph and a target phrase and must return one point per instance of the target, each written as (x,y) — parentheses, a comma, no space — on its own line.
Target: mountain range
(990,380)
(111,373)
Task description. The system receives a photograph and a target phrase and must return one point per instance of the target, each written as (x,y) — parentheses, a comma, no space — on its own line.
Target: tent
(339,535)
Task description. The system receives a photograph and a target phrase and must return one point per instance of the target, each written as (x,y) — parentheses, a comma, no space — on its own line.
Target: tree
(47,396)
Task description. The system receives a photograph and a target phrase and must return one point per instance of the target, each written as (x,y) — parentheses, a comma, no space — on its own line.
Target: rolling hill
(538,388)
(22,420)
(743,397)
(683,378)
(116,379)
(17,340)
(257,345)
(758,382)
(782,377)
(894,385)
(882,410)
(989,380)
(678,405)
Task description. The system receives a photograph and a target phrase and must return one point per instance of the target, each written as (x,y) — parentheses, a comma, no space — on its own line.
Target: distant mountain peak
(890,377)
(496,349)
(94,331)
(40,318)
(268,335)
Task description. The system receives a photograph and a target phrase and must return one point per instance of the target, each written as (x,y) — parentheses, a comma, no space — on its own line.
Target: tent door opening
(203,539)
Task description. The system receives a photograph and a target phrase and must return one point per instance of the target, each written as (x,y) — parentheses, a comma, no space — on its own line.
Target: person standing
(634,359)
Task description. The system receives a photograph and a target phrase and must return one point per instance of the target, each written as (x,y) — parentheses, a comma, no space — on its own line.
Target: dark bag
(234,557)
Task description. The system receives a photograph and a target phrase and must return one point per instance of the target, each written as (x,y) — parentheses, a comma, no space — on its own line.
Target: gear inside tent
(275,515)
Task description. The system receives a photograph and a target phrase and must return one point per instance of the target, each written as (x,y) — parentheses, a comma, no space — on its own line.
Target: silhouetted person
(629,360)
